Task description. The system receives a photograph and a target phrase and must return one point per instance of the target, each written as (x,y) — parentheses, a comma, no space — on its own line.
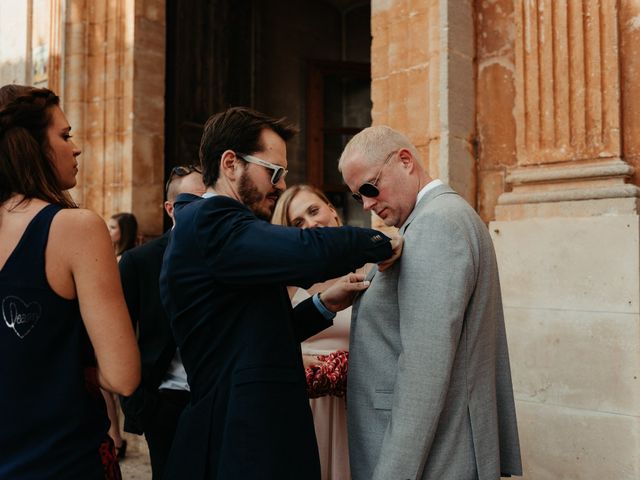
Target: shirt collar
(429,186)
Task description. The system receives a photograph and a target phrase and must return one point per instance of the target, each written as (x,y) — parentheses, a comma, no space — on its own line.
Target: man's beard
(251,197)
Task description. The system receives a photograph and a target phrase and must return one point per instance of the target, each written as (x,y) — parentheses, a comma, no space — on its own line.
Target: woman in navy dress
(65,328)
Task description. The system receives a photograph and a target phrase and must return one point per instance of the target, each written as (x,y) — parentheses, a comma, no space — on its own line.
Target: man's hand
(396,248)
(340,295)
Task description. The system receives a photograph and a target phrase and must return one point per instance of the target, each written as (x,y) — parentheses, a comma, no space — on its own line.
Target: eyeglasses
(370,189)
(279,172)
(180,171)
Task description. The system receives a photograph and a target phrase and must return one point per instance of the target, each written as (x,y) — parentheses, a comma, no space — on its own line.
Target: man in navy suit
(223,285)
(156,405)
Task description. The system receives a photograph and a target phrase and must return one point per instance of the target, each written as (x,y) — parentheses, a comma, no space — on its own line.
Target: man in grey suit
(429,393)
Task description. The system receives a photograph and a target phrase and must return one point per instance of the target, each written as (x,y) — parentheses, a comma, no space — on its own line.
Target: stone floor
(136,465)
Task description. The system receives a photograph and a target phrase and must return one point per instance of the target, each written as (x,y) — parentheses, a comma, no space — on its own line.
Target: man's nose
(368,203)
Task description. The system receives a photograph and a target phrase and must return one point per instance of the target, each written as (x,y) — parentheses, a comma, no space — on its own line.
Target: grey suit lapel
(372,273)
(358,295)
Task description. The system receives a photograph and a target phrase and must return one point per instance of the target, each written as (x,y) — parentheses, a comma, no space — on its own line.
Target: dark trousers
(161,429)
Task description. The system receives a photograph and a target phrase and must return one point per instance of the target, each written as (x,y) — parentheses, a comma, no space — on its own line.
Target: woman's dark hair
(128,231)
(237,129)
(25,155)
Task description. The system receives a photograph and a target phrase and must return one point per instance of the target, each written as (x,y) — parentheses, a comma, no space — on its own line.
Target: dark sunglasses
(370,189)
(279,171)
(181,171)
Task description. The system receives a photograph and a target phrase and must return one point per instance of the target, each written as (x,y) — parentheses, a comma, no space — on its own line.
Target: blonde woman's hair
(281,212)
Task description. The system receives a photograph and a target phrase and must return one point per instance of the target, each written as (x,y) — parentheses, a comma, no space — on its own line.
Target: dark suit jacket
(140,273)
(223,286)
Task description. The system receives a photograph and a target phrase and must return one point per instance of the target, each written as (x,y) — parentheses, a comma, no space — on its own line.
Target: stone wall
(554,116)
(422,82)
(556,173)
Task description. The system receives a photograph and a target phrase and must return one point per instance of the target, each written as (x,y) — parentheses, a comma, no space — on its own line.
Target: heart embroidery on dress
(19,315)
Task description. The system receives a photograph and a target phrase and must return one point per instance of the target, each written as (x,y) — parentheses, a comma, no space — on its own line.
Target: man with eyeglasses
(429,393)
(223,286)
(154,408)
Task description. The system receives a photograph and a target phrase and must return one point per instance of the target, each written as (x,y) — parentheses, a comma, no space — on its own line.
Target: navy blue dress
(51,426)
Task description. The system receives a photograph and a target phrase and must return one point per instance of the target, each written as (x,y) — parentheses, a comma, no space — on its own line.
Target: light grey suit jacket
(429,391)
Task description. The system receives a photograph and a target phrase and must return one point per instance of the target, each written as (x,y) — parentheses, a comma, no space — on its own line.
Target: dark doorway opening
(265,54)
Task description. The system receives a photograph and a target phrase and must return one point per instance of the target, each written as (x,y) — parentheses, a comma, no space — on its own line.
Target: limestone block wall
(574,328)
(422,82)
(405,57)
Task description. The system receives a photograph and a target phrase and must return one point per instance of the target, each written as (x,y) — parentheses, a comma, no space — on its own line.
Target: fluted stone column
(114,98)
(567,236)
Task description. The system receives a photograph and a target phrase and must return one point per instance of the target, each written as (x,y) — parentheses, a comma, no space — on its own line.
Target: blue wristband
(326,313)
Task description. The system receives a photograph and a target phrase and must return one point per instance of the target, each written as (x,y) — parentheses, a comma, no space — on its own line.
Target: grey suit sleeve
(436,278)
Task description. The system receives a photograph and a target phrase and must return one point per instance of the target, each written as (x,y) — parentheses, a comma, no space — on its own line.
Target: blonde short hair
(373,143)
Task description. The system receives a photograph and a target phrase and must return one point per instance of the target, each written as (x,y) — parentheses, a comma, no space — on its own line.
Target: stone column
(114,98)
(56,44)
(567,236)
(423,82)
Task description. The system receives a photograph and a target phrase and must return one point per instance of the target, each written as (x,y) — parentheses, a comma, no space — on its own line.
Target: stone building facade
(529,108)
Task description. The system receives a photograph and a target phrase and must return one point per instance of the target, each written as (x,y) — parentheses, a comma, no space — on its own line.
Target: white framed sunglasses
(279,171)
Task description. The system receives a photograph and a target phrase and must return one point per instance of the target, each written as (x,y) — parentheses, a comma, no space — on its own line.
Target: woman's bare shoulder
(80,218)
(79,226)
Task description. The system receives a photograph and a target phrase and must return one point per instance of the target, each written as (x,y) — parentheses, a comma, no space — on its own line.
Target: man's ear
(168,207)
(407,159)
(228,165)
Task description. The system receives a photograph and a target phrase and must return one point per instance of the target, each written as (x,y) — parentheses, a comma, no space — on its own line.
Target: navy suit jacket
(223,286)
(140,274)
